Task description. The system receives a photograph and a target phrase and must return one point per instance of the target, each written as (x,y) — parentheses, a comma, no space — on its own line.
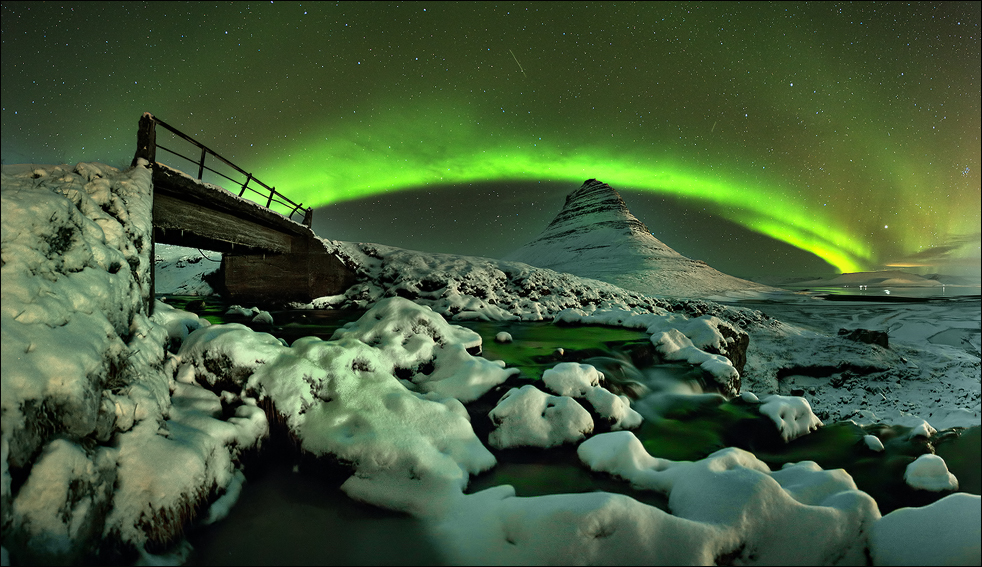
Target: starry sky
(766,139)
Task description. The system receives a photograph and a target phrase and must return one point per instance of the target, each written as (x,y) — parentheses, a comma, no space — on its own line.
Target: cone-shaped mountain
(596,236)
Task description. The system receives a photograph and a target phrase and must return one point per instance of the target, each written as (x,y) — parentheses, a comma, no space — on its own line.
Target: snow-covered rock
(583,381)
(414,337)
(873,442)
(177,322)
(930,472)
(528,417)
(379,397)
(108,457)
(791,415)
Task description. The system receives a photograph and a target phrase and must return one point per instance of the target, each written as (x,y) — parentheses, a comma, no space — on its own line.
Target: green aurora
(850,131)
(407,150)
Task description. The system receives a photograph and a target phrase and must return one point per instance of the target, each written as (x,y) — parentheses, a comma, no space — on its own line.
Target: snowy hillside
(596,236)
(183,271)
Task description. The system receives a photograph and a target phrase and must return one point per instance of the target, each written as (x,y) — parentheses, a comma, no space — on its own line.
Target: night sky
(765,139)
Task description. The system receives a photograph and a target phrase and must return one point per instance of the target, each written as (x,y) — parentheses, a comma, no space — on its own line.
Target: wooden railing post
(201,165)
(248,179)
(146,139)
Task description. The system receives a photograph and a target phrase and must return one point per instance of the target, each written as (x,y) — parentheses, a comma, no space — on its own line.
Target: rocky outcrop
(105,453)
(866,336)
(596,236)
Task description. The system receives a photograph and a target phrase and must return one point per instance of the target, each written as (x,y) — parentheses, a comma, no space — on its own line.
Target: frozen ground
(930,370)
(119,429)
(182,271)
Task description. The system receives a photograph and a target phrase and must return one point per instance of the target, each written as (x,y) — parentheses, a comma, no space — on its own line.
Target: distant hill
(596,236)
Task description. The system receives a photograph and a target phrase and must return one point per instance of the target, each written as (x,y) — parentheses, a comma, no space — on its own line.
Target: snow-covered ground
(118,429)
(182,271)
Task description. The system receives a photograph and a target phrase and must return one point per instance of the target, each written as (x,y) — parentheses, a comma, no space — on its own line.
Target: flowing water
(295,513)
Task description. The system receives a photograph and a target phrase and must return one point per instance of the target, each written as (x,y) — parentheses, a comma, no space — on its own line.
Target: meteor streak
(516,61)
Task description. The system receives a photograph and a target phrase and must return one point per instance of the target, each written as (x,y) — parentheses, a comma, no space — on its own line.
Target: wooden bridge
(266,255)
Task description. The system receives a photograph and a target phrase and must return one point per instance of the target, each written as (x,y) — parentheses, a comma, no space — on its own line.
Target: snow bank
(800,514)
(946,532)
(89,423)
(466,287)
(407,439)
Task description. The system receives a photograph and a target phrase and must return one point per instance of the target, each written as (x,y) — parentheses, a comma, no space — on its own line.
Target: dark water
(303,518)
(288,517)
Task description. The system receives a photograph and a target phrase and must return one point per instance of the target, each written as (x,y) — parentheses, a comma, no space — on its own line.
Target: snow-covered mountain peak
(594,207)
(596,236)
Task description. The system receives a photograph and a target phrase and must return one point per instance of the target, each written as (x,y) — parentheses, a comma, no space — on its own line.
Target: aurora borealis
(847,133)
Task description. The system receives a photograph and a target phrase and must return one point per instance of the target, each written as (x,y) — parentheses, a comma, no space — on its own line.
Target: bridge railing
(147,146)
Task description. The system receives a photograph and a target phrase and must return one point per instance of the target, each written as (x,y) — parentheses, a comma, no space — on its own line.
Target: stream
(292,510)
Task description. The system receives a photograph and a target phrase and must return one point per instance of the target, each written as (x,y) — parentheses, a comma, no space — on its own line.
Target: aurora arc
(346,165)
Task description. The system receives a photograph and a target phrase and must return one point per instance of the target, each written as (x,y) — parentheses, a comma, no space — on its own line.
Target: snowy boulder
(166,469)
(792,415)
(503,337)
(800,514)
(930,472)
(59,513)
(749,397)
(675,345)
(582,381)
(263,318)
(528,417)
(946,532)
(572,379)
(239,311)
